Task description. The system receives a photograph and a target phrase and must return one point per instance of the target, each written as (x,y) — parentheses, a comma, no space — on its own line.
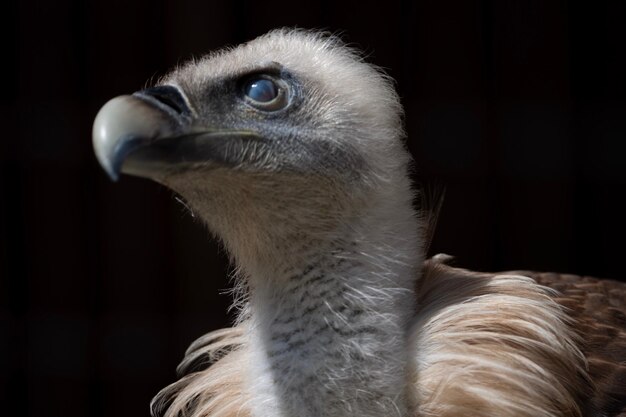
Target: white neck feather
(330,274)
(331,332)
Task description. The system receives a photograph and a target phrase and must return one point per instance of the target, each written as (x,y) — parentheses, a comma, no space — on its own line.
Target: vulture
(290,149)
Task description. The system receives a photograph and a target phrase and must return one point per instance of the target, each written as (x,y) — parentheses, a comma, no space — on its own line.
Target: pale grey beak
(128,123)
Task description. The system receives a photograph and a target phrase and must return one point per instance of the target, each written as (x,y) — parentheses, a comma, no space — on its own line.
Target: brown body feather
(599,310)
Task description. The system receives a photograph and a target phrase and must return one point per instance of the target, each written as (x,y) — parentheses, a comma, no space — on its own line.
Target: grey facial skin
(164,130)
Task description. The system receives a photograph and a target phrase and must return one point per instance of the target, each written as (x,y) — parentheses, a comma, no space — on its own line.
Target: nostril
(168,96)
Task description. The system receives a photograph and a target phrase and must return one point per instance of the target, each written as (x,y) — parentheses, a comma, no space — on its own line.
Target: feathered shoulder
(519,343)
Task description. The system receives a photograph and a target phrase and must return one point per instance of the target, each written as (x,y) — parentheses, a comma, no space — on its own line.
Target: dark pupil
(261,90)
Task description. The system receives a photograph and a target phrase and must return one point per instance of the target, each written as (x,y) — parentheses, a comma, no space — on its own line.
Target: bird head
(289,134)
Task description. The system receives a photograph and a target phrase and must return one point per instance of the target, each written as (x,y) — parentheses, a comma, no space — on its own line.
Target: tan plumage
(341,316)
(585,378)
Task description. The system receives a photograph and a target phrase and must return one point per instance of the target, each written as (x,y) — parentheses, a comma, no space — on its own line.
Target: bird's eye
(261,90)
(265,93)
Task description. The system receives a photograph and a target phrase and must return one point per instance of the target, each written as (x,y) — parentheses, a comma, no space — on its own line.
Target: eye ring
(265,92)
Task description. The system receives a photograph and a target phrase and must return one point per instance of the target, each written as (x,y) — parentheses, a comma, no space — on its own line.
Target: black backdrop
(518,107)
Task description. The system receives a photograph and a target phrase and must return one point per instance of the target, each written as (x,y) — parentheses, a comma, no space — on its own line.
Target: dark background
(517,107)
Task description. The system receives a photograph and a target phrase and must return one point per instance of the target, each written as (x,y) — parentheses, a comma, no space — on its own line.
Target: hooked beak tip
(112,174)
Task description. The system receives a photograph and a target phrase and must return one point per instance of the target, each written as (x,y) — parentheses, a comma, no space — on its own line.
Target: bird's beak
(152,132)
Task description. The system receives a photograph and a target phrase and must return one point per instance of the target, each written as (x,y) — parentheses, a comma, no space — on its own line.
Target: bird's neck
(330,327)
